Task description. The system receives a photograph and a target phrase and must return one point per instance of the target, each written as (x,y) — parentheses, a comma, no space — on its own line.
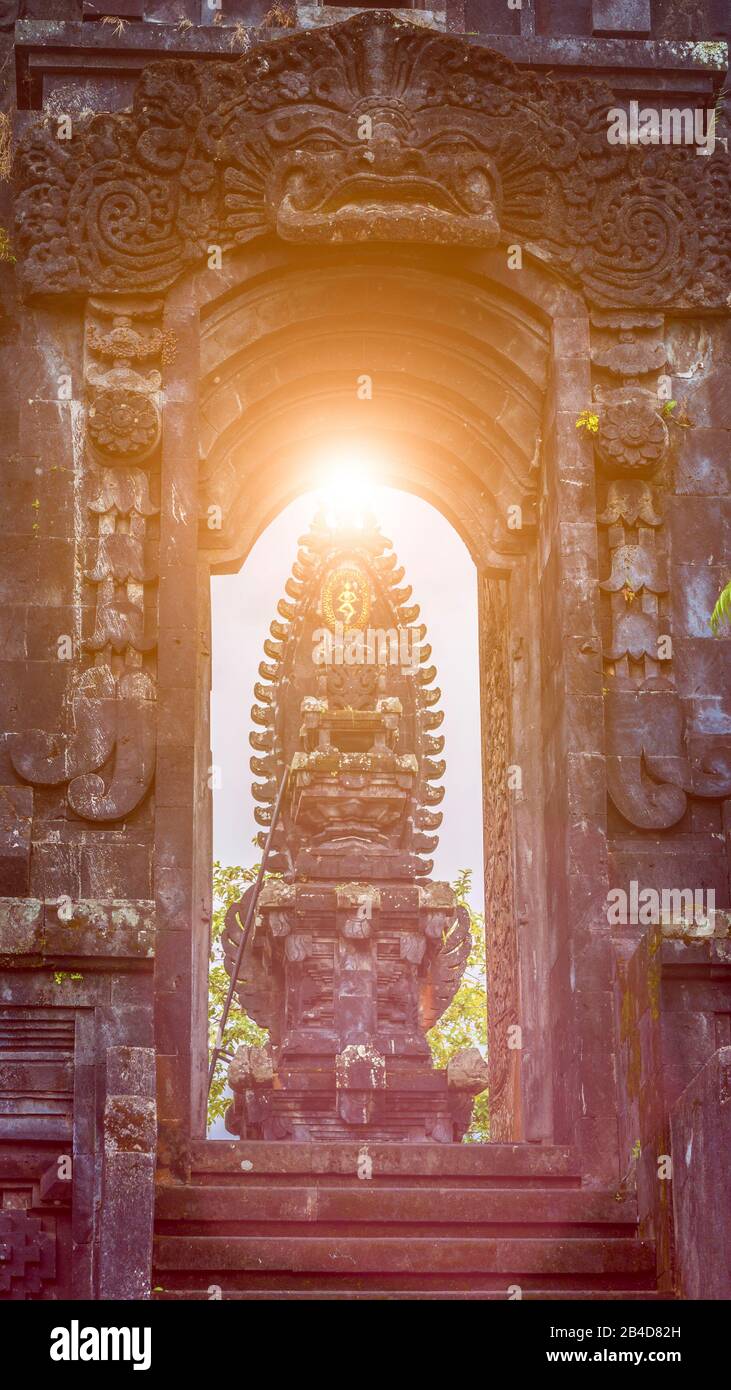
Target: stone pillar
(580,961)
(128,1187)
(701,1135)
(182,876)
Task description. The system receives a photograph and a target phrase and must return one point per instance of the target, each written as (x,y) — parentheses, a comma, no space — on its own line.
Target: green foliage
(721,615)
(465,1022)
(588,420)
(463,1025)
(229,884)
(681,419)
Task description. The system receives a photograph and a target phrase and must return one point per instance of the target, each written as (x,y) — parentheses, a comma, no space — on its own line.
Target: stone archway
(124,221)
(265,476)
(457,419)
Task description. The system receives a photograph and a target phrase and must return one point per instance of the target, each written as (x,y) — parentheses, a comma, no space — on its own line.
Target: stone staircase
(261,1220)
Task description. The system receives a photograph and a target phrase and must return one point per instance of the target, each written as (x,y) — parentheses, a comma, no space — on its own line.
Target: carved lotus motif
(123,422)
(633,439)
(634,568)
(635,635)
(630,500)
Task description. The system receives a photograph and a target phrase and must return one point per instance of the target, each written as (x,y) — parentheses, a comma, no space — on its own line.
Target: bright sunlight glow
(349,488)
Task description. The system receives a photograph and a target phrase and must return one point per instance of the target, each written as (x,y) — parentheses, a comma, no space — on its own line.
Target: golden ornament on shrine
(346,598)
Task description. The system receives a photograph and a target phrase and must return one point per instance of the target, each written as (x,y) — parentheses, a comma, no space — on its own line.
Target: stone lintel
(75,51)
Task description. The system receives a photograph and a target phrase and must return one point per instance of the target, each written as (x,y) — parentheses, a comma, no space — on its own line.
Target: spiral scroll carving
(224,152)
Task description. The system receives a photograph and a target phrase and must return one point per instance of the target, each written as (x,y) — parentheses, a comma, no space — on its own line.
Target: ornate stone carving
(627,345)
(369,130)
(134,755)
(347,1004)
(502,951)
(637,580)
(352,960)
(124,406)
(343,734)
(124,344)
(123,423)
(633,437)
(112,703)
(52,759)
(630,501)
(649,771)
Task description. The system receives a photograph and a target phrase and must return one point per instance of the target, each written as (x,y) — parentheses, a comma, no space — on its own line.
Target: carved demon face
(378,174)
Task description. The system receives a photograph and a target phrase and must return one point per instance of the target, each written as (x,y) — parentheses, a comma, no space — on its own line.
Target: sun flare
(350,487)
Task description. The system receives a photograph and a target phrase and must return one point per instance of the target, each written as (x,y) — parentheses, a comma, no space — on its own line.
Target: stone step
(432,1255)
(489,1163)
(262,1220)
(403,1205)
(484,1295)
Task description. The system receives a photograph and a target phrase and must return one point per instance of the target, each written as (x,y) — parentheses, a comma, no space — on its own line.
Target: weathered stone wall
(103,871)
(673,1025)
(701,1131)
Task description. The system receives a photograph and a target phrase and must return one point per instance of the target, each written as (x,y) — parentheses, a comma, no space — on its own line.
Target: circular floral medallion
(123,422)
(632,437)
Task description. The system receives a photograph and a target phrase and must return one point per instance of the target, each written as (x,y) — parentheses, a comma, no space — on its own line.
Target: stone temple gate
(202,267)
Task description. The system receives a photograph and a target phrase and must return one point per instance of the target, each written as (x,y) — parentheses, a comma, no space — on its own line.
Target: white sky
(441,572)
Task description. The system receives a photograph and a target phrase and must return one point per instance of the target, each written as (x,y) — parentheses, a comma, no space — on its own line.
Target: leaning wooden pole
(248,921)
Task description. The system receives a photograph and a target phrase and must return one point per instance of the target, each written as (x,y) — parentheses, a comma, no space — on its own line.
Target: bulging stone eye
(478,183)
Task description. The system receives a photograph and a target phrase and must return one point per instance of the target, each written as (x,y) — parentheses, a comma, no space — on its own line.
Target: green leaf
(464,1024)
(721,615)
(229,884)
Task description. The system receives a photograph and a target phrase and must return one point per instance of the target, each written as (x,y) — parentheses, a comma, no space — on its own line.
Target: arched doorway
(282,352)
(440,579)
